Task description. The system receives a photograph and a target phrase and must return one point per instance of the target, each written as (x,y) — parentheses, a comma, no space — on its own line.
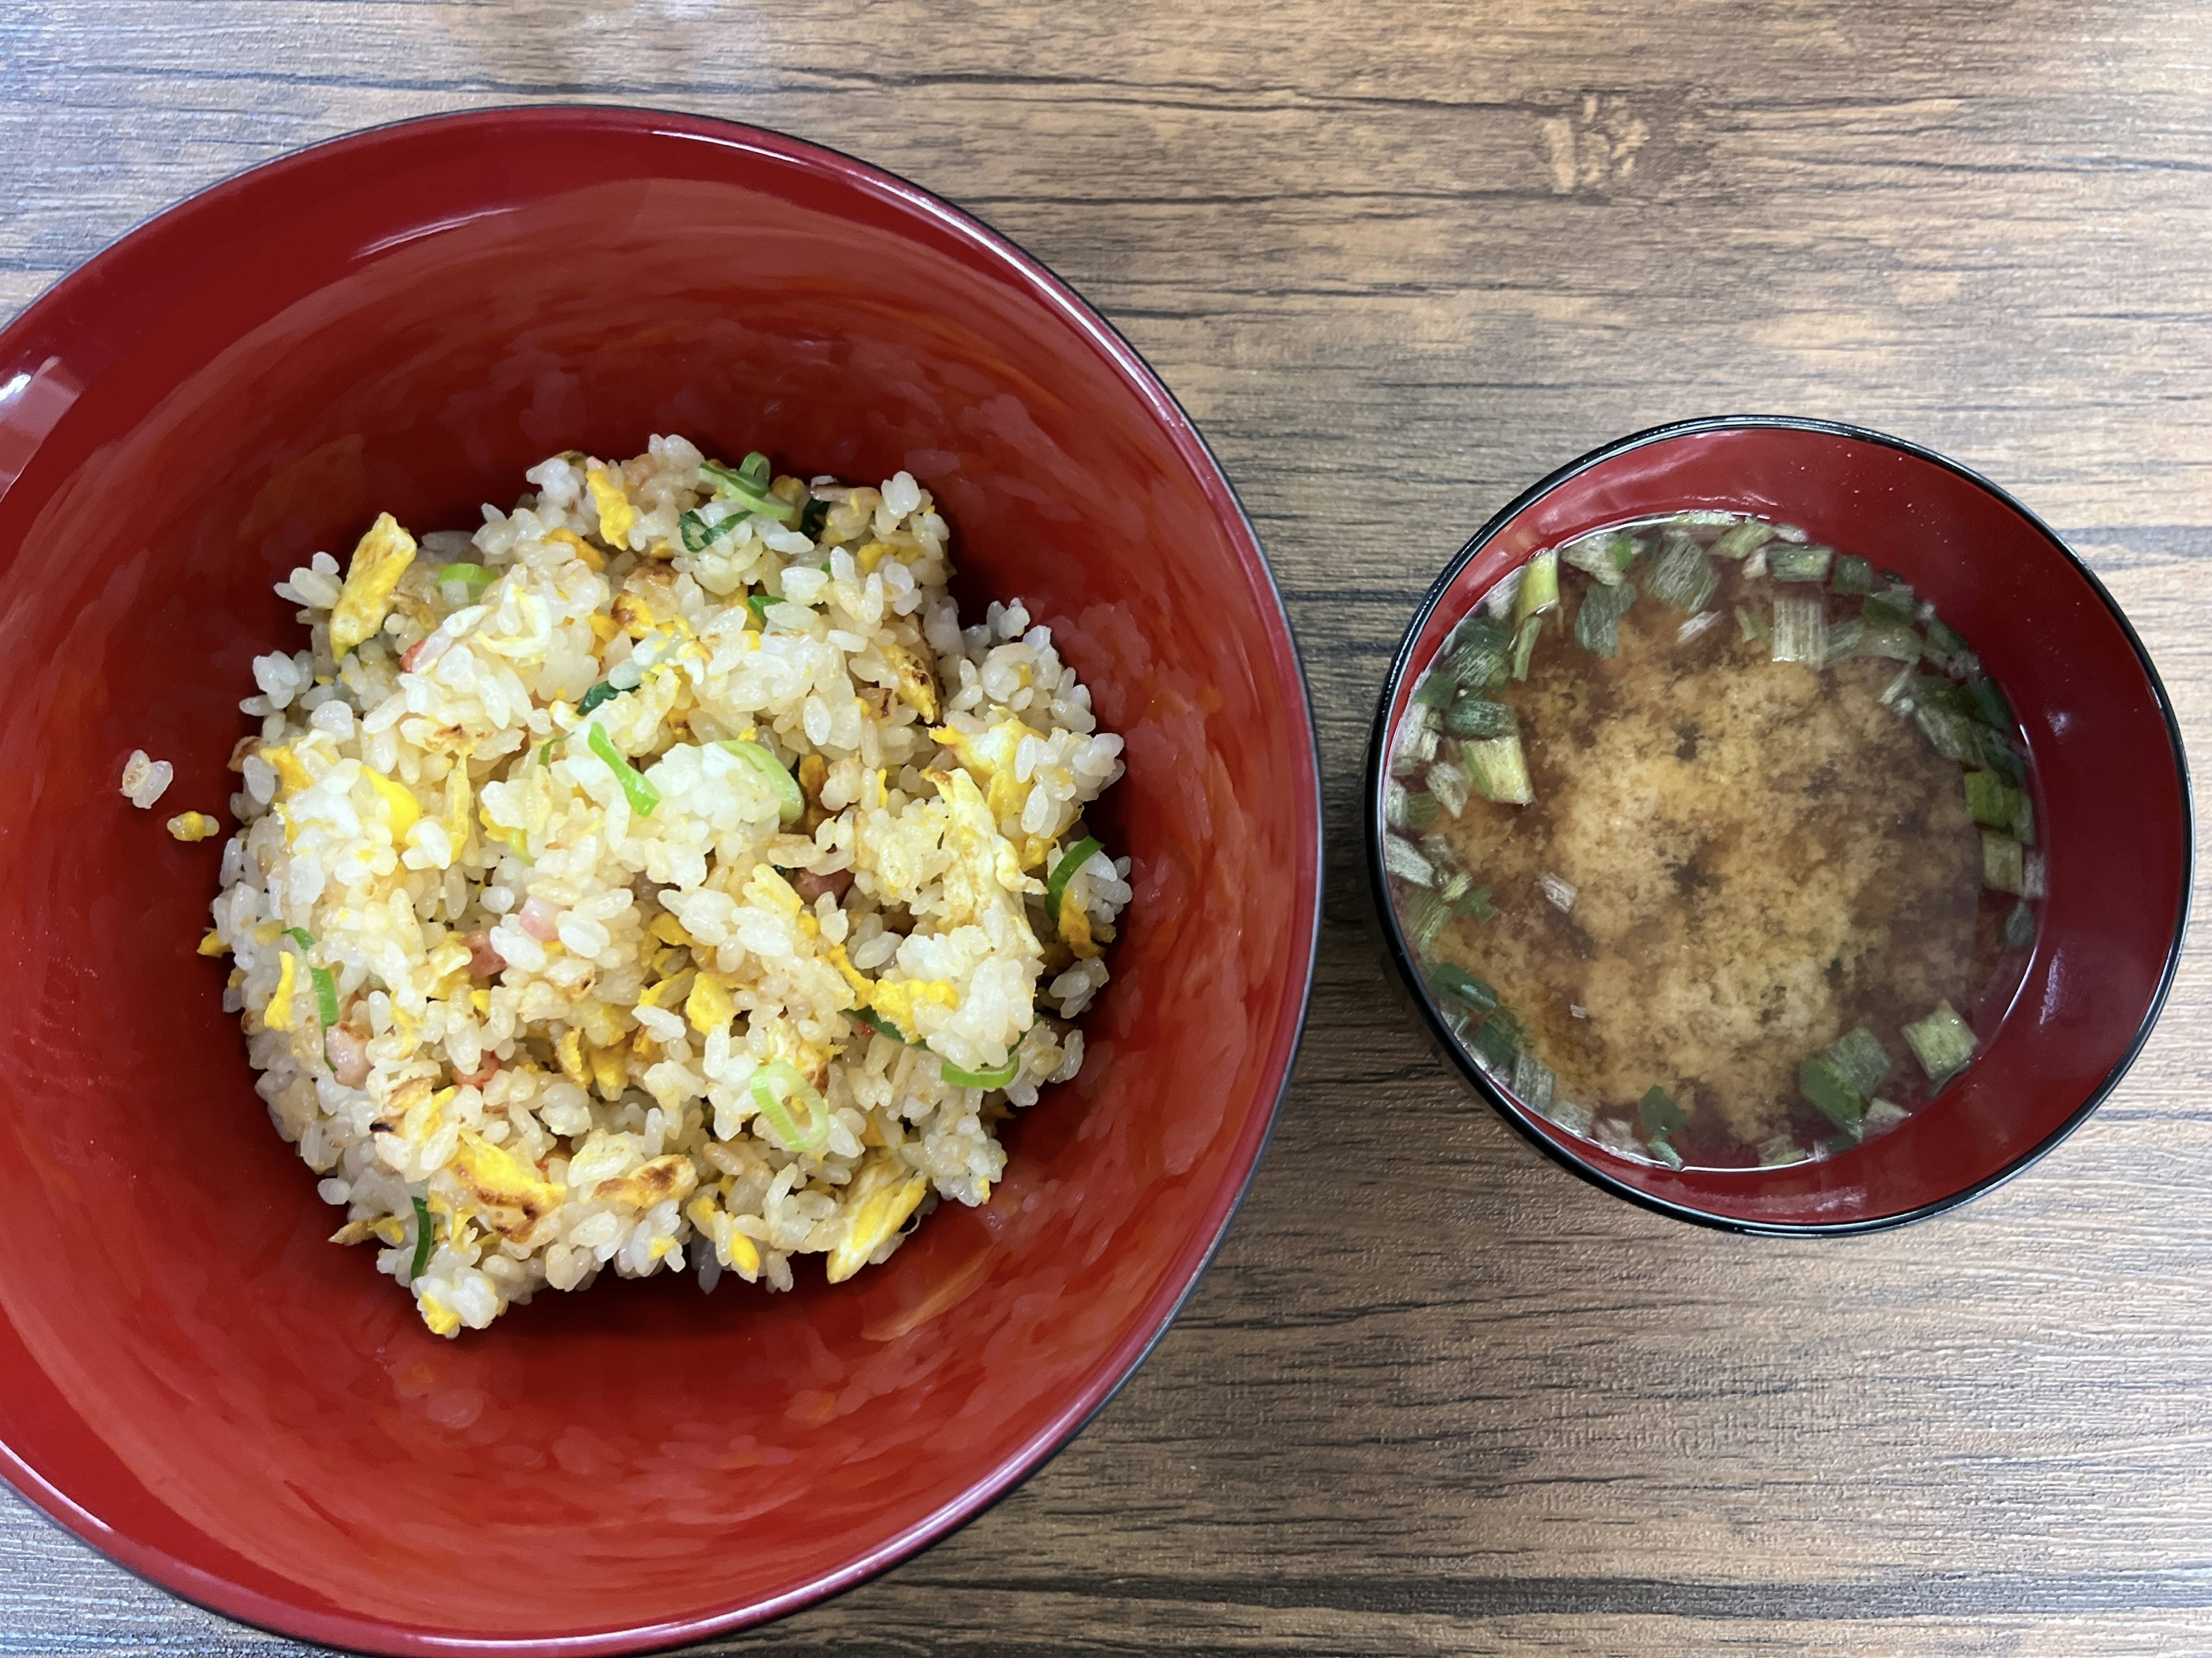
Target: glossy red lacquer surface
(2113,792)
(190,1376)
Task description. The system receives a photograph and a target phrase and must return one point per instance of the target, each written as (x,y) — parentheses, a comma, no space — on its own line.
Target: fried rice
(659,878)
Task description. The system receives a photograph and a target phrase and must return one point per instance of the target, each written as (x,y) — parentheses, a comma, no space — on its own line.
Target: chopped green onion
(306,939)
(1989,705)
(755,471)
(1990,800)
(1843,640)
(1479,652)
(2023,818)
(474,577)
(1663,1149)
(602,692)
(1627,549)
(1474,904)
(1943,645)
(758,604)
(1597,620)
(1660,1113)
(422,1240)
(790,803)
(1852,575)
(2003,868)
(1063,871)
(1532,1081)
(1498,1040)
(1421,809)
(1435,689)
(1801,629)
(1950,732)
(1942,1042)
(1425,914)
(1539,588)
(813,517)
(752,496)
(326,994)
(699,535)
(643,797)
(1829,1093)
(1898,644)
(1684,577)
(545,750)
(1753,626)
(1860,1059)
(998,1078)
(881,1026)
(1593,555)
(1788,563)
(1892,605)
(1453,983)
(1478,716)
(1448,787)
(775,1083)
(1403,860)
(1524,645)
(2019,925)
(1743,540)
(1501,770)
(2033,877)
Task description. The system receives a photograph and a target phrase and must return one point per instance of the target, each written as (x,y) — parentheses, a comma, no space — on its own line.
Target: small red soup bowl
(191,1378)
(2101,739)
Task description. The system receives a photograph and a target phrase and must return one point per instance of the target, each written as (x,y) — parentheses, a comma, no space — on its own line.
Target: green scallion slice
(545,750)
(1479,654)
(1403,860)
(699,535)
(1753,626)
(643,796)
(1063,870)
(1500,770)
(1452,983)
(1897,643)
(1891,606)
(474,577)
(790,802)
(752,496)
(326,994)
(1539,588)
(1532,1081)
(1860,1058)
(1436,690)
(1524,645)
(1423,915)
(1951,733)
(755,471)
(813,517)
(1474,904)
(1478,716)
(1421,809)
(1683,577)
(1990,799)
(1663,1150)
(881,1026)
(300,936)
(1627,549)
(1660,1113)
(1787,563)
(1000,1078)
(2023,818)
(758,604)
(1852,575)
(422,1240)
(1597,619)
(1990,707)
(2003,869)
(1743,540)
(1943,645)
(1942,1042)
(1845,638)
(1593,555)
(1993,750)
(774,1086)
(602,692)
(1498,1040)
(2019,925)
(1450,786)
(1801,629)
(1839,1080)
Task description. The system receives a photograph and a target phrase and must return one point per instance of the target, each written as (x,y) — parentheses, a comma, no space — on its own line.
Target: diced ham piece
(487,1068)
(811,886)
(348,1055)
(539,919)
(484,960)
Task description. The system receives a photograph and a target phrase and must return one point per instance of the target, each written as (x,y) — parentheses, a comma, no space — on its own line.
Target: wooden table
(1400,260)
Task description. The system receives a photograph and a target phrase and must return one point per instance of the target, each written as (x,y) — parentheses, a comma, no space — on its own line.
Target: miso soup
(1714,846)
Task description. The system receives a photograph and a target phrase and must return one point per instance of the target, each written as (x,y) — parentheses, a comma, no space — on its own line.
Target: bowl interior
(2107,759)
(190,1375)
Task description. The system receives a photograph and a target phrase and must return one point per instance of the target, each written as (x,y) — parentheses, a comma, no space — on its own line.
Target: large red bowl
(191,1378)
(2099,733)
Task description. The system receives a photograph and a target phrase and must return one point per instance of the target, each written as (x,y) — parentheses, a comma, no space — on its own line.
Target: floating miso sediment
(1714,843)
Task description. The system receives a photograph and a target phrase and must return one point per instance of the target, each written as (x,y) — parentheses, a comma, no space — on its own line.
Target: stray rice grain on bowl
(658,878)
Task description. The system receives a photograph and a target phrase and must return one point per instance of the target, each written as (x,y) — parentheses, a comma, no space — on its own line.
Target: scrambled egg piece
(709,1006)
(504,1188)
(616,516)
(279,1014)
(989,759)
(917,680)
(984,872)
(882,1196)
(379,561)
(896,1000)
(399,802)
(193,826)
(671,1176)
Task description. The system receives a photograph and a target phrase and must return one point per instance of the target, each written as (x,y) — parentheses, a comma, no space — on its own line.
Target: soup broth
(1716,847)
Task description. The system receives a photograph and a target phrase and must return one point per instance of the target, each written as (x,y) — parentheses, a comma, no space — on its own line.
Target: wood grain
(1399,260)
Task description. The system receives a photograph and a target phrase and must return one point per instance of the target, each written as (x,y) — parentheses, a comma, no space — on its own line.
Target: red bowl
(191,1378)
(2100,734)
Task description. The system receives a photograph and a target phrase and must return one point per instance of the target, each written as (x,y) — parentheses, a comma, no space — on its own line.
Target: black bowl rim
(1402,958)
